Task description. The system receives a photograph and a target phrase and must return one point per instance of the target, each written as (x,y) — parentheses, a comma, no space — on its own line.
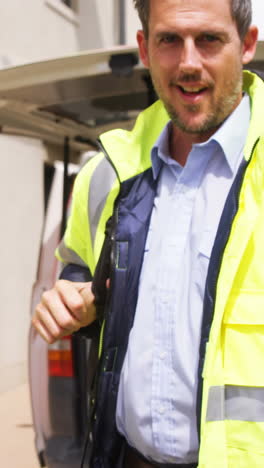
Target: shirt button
(161,410)
(164,301)
(163,355)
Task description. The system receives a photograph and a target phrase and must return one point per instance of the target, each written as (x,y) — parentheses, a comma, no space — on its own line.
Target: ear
(143,48)
(249,44)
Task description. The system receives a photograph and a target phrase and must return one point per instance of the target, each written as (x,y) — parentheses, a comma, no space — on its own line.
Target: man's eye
(208,38)
(168,39)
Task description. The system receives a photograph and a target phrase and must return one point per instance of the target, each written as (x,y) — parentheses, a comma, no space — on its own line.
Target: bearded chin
(210,123)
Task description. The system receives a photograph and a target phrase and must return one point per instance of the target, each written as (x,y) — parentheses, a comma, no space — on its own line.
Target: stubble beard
(217,113)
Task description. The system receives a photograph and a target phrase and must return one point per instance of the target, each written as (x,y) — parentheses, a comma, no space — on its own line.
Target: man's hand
(64,309)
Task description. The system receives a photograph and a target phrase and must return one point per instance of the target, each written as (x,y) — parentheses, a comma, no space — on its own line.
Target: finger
(42,330)
(88,298)
(71,298)
(54,307)
(49,322)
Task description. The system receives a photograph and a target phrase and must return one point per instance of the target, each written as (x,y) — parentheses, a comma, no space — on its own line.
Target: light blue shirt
(156,408)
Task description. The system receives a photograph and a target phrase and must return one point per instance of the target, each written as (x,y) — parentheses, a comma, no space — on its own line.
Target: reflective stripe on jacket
(230,400)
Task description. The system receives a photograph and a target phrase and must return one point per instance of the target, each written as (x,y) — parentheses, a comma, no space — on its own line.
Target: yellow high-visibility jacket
(230,400)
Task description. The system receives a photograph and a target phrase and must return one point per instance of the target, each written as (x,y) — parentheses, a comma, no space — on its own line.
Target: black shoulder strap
(102,271)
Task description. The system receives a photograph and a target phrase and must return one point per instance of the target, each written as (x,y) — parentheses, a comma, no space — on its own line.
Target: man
(180,379)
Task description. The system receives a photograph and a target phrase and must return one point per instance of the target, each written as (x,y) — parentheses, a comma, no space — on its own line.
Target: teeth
(192,90)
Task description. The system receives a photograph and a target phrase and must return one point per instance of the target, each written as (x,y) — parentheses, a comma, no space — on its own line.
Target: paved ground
(16,433)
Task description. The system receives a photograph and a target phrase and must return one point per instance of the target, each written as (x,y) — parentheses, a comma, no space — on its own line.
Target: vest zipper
(112,238)
(93,415)
(112,267)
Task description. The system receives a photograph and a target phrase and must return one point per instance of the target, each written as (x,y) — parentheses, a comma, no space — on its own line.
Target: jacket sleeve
(75,250)
(76,246)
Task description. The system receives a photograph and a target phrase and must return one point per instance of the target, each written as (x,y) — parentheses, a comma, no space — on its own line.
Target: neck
(179,148)
(181,143)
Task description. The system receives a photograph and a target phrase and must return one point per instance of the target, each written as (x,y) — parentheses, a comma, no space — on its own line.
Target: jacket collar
(254,86)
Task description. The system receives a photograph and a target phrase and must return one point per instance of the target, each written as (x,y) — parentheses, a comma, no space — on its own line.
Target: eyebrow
(161,34)
(215,32)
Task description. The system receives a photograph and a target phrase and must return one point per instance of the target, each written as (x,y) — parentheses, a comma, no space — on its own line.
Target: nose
(190,60)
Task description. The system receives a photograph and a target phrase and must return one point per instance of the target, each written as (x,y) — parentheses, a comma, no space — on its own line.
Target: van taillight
(60,358)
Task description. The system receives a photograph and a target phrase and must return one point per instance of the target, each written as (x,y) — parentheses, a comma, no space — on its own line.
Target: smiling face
(195,57)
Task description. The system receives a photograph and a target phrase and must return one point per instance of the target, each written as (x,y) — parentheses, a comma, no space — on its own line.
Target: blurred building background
(34,30)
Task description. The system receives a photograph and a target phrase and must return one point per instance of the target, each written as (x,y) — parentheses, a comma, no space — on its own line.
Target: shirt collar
(232,134)
(160,152)
(231,137)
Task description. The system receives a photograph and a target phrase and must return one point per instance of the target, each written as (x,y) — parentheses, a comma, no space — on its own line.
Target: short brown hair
(241,11)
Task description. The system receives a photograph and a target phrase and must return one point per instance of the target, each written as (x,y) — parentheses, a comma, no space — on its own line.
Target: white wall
(258,16)
(132,23)
(32,30)
(98,24)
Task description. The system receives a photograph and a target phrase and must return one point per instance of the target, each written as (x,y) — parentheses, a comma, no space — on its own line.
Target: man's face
(195,57)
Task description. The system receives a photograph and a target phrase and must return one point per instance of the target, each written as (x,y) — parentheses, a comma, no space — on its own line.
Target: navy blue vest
(130,224)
